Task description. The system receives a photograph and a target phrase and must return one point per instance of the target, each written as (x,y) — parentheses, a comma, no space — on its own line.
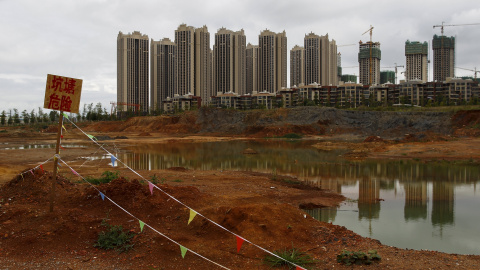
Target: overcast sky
(78,38)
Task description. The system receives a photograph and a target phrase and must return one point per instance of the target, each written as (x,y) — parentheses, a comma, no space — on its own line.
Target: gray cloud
(78,38)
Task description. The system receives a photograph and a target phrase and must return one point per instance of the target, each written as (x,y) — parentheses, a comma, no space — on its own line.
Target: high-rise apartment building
(369,57)
(203,87)
(229,65)
(132,71)
(416,54)
(185,60)
(297,66)
(162,71)
(272,61)
(320,60)
(193,62)
(443,57)
(251,69)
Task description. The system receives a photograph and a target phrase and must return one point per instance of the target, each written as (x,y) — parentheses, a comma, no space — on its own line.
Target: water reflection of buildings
(323,214)
(416,199)
(443,203)
(368,198)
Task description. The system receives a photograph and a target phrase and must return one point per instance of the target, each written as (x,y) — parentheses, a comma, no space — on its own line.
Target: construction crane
(475,71)
(396,66)
(370,59)
(443,25)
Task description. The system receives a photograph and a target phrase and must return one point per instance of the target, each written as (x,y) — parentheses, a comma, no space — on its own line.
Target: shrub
(358,257)
(114,238)
(292,255)
(107,177)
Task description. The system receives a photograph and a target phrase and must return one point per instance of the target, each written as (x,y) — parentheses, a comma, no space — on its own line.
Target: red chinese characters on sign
(62,93)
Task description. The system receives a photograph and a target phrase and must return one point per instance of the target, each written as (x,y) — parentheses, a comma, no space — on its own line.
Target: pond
(402,203)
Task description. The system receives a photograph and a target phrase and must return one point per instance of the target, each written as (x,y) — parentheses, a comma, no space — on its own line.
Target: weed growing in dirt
(178,180)
(274,174)
(107,177)
(154,179)
(293,255)
(292,136)
(358,257)
(114,238)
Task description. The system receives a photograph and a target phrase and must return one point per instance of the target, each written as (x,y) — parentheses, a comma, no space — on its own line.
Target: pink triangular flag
(150,186)
(32,172)
(239,242)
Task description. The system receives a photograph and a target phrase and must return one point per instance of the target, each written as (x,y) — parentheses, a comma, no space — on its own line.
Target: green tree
(53,116)
(32,117)
(3,118)
(26,117)
(16,117)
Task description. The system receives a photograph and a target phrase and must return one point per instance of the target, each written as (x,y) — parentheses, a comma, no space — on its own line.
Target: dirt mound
(34,186)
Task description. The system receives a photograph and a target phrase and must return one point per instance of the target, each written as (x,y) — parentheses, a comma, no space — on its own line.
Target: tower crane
(443,25)
(396,66)
(475,71)
(370,59)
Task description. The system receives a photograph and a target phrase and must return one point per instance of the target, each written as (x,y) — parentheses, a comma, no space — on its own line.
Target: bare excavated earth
(263,209)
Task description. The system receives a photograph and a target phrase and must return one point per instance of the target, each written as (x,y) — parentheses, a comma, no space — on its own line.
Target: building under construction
(416,55)
(369,57)
(443,57)
(387,77)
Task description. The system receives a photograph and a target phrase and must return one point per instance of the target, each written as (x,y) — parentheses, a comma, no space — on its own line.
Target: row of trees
(89,113)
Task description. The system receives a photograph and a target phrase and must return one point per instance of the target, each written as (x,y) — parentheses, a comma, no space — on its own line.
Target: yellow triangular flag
(192,216)
(184,251)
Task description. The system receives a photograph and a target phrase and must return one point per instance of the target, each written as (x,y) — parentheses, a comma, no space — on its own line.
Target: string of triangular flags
(40,166)
(141,223)
(193,213)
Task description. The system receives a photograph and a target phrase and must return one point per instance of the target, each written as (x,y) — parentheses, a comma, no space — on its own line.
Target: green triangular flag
(184,251)
(192,215)
(141,225)
(65,115)
(91,137)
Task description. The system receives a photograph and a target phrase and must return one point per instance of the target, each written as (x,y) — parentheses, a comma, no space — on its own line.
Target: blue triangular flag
(103,196)
(113,160)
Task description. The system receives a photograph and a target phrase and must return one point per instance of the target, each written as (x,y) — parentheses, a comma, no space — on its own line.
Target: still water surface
(408,204)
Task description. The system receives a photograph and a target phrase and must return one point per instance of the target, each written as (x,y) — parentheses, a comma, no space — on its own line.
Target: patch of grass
(177,180)
(114,237)
(291,181)
(107,177)
(292,136)
(358,257)
(274,174)
(155,180)
(293,255)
